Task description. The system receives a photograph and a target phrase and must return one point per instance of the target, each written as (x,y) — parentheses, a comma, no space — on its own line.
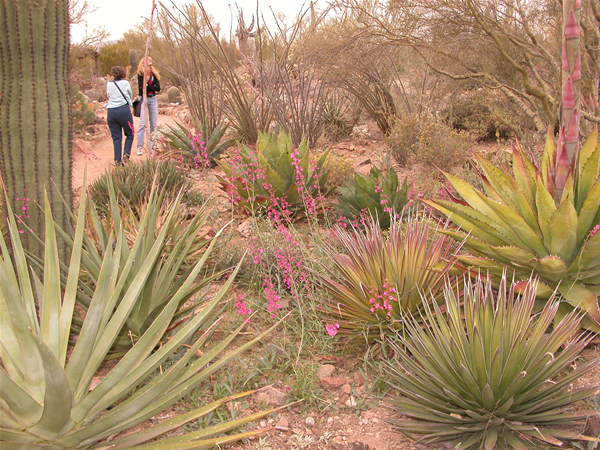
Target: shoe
(140,153)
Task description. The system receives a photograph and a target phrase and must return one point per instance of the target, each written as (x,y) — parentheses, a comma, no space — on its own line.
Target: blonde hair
(140,70)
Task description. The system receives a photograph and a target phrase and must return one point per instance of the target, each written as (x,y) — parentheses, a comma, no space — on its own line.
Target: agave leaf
(514,255)
(24,409)
(285,168)
(546,208)
(523,233)
(563,232)
(588,164)
(588,212)
(56,417)
(550,268)
(577,295)
(499,182)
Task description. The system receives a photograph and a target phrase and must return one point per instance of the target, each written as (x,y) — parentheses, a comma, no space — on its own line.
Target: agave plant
(198,146)
(275,174)
(542,219)
(48,400)
(161,227)
(486,373)
(381,277)
(376,195)
(133,183)
(519,222)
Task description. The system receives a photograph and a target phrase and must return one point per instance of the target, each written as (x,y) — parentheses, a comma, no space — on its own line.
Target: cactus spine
(34,108)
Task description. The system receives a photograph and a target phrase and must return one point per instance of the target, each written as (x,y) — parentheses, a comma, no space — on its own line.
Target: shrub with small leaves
(83,110)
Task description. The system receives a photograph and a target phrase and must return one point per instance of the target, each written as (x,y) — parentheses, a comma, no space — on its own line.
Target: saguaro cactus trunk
(35,108)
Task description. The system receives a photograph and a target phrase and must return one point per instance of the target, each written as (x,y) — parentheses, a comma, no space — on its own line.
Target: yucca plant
(161,227)
(381,277)
(542,219)
(274,174)
(133,183)
(199,146)
(47,398)
(376,195)
(488,373)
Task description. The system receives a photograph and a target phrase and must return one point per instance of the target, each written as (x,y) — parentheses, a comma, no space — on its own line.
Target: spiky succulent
(487,373)
(49,399)
(544,220)
(200,146)
(274,174)
(380,277)
(376,194)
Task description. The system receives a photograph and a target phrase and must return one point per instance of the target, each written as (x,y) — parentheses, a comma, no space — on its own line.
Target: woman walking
(118,115)
(152,88)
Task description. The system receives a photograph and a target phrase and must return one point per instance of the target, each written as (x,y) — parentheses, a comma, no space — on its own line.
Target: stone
(245,228)
(344,398)
(351,402)
(271,396)
(358,446)
(330,383)
(282,423)
(338,443)
(310,422)
(262,424)
(347,389)
(326,370)
(359,380)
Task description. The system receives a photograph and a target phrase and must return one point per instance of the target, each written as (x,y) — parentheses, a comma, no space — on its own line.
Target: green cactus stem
(34,109)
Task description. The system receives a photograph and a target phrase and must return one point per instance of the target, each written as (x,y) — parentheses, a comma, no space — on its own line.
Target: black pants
(120,121)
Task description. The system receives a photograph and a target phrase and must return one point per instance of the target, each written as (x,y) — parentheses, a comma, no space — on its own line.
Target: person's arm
(128,90)
(154,87)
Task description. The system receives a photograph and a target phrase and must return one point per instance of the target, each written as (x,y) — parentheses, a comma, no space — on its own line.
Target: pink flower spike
(576,75)
(332,329)
(565,60)
(573,130)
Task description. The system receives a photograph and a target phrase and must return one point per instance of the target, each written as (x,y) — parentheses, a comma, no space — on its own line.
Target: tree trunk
(35,126)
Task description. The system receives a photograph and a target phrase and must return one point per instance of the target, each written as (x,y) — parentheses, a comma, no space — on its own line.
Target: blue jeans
(120,121)
(153,116)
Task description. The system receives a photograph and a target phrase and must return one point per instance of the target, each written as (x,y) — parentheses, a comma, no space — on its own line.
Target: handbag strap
(126,99)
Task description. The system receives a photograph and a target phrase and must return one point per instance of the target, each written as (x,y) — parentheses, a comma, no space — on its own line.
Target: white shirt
(115,98)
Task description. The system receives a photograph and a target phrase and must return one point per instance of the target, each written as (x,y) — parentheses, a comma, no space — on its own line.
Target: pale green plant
(47,397)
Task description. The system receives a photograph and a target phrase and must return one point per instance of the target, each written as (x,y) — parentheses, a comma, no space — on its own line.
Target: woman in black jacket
(152,88)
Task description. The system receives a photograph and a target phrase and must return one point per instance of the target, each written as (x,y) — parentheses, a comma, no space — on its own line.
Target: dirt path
(94,152)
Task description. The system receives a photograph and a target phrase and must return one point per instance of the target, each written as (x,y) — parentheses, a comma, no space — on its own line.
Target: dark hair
(118,73)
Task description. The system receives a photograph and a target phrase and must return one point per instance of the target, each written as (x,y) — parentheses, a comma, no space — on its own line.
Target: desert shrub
(341,113)
(403,138)
(339,168)
(421,140)
(486,372)
(133,183)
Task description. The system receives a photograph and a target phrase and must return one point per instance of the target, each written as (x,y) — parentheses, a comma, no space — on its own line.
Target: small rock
(344,398)
(296,431)
(338,443)
(262,424)
(359,380)
(326,370)
(282,423)
(357,446)
(271,396)
(329,420)
(310,422)
(330,383)
(245,228)
(347,389)
(359,390)
(351,402)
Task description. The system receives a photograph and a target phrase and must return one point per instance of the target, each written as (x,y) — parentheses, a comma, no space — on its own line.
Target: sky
(119,16)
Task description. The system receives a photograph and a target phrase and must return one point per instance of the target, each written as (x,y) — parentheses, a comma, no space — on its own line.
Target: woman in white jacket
(118,114)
